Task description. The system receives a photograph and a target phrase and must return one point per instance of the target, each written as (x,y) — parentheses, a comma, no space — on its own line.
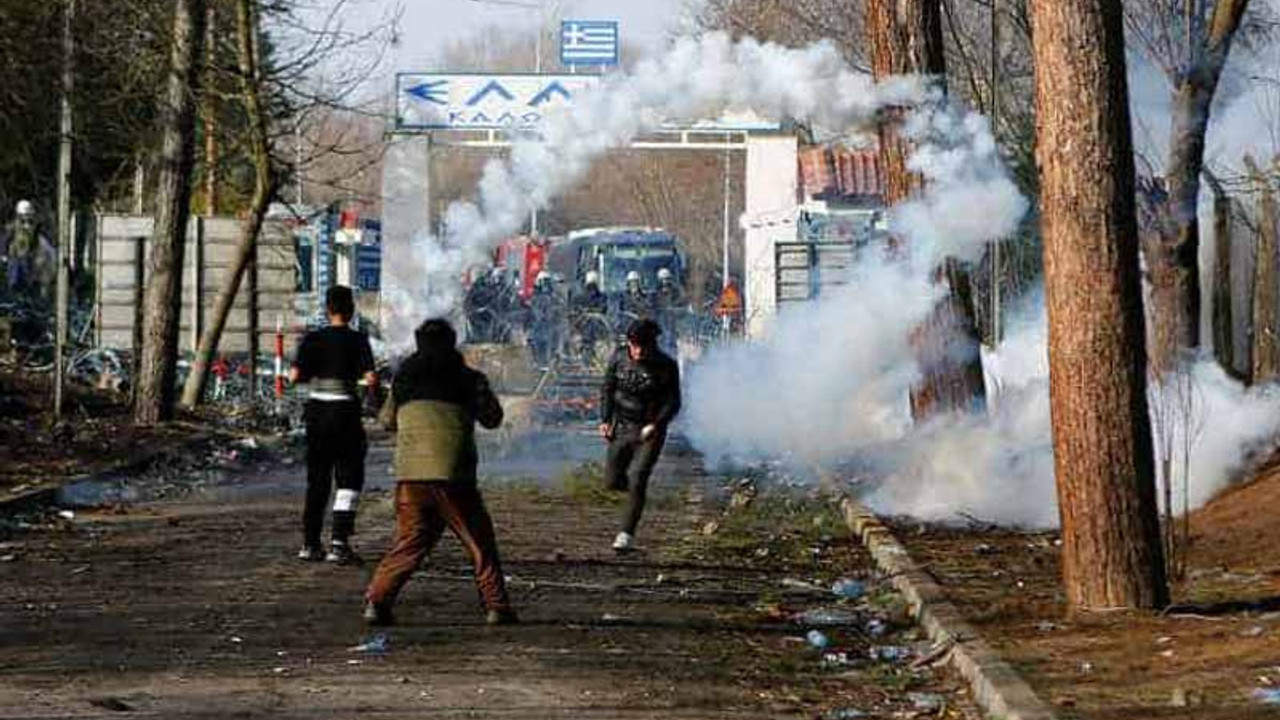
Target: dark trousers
(336,448)
(629,464)
(423,511)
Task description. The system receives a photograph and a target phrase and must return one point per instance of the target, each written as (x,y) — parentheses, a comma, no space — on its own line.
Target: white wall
(771,189)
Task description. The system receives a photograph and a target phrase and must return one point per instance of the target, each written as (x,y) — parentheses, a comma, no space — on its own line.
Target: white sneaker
(623,542)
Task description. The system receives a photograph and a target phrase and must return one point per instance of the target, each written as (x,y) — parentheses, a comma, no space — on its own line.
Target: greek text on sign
(444,101)
(589,42)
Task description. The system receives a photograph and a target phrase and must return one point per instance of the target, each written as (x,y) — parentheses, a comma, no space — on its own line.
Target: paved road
(195,609)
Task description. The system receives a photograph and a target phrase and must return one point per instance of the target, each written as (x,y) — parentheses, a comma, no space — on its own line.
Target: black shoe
(505,616)
(310,553)
(340,554)
(377,615)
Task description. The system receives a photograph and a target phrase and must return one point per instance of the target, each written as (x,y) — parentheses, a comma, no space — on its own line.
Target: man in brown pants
(435,403)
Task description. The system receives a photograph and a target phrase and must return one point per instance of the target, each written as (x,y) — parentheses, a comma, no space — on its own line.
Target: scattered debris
(936,654)
(795,584)
(236,639)
(845,714)
(711,528)
(876,628)
(1267,696)
(826,617)
(889,653)
(836,659)
(818,639)
(1253,632)
(849,589)
(927,702)
(67,514)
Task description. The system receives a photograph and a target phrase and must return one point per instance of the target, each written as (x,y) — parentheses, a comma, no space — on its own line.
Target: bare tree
(153,401)
(1191,41)
(250,67)
(1103,455)
(1223,317)
(1266,281)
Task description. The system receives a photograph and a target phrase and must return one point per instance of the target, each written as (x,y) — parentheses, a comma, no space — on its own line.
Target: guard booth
(824,253)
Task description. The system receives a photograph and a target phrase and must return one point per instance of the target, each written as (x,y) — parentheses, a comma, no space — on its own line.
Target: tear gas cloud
(698,78)
(832,379)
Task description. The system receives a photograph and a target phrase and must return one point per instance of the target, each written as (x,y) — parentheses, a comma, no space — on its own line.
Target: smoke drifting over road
(699,78)
(831,382)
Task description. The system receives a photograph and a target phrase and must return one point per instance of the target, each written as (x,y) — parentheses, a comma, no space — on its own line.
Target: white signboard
(448,101)
(443,101)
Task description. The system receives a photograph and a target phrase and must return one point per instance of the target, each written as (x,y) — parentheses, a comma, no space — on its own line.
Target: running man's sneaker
(624,542)
(310,554)
(341,554)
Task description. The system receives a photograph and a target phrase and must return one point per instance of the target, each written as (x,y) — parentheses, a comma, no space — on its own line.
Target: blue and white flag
(589,42)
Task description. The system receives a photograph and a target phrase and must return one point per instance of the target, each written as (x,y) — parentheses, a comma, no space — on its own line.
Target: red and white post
(279,360)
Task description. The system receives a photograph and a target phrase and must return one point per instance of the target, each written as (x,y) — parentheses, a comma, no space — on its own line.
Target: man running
(640,399)
(332,361)
(435,403)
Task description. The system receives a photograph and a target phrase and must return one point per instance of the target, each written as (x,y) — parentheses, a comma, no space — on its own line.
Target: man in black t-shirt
(332,361)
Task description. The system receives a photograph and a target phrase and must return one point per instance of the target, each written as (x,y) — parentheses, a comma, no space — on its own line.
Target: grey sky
(427,25)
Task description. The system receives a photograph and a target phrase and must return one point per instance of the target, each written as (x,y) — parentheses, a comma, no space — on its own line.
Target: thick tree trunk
(1266,282)
(1174,267)
(1223,317)
(263,190)
(1103,455)
(906,38)
(156,378)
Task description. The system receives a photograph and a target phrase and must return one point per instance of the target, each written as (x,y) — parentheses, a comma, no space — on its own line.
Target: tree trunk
(1223,316)
(158,369)
(212,151)
(906,38)
(1266,290)
(1103,455)
(263,190)
(1174,268)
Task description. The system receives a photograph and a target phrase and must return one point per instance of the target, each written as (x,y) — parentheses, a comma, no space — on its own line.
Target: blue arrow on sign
(493,87)
(433,92)
(555,88)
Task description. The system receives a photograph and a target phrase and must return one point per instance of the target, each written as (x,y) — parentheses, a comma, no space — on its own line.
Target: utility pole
(995,131)
(724,241)
(65,236)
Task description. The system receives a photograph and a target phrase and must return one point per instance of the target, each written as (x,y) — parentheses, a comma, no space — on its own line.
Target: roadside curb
(997,687)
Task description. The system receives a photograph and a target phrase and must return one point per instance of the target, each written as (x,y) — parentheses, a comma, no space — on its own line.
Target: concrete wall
(122,246)
(771,205)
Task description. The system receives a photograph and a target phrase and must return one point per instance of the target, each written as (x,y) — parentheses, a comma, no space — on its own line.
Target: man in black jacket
(332,361)
(641,397)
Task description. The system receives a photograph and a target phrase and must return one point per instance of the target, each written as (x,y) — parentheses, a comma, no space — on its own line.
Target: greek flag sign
(589,42)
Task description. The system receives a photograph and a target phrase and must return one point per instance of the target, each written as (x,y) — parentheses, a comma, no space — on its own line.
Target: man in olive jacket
(435,403)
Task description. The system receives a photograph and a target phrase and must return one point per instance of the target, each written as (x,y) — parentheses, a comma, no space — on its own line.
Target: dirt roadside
(1215,657)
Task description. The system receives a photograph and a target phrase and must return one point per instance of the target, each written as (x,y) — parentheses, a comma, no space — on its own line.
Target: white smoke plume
(999,467)
(699,78)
